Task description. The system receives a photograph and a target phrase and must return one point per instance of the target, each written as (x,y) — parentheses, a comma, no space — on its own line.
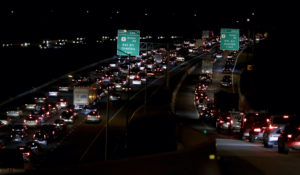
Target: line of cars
(269,129)
(35,125)
(204,105)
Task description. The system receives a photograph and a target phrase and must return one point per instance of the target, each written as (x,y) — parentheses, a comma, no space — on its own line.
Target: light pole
(107,120)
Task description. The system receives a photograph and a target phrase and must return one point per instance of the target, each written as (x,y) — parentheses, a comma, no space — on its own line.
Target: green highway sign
(128,42)
(230,39)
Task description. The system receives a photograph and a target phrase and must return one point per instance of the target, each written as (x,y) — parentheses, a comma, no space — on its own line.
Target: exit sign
(230,39)
(128,42)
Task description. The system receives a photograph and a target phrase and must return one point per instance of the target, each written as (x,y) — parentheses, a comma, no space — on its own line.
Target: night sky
(55,19)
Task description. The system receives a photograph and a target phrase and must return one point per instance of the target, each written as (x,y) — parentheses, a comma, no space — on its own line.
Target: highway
(234,156)
(85,142)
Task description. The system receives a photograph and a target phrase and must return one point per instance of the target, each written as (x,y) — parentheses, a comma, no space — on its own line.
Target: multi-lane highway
(234,155)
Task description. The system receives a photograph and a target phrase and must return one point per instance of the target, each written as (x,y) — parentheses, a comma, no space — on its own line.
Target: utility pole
(106,129)
(168,67)
(145,99)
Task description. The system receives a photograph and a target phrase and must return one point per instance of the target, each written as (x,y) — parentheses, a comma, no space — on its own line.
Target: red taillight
(36,121)
(268,120)
(257,130)
(221,121)
(231,121)
(245,119)
(289,136)
(53,132)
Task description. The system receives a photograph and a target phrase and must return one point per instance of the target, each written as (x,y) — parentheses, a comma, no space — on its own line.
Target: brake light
(221,121)
(53,132)
(257,130)
(36,121)
(289,136)
(245,119)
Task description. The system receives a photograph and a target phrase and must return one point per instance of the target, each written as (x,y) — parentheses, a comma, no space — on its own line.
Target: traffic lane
(184,104)
(99,140)
(240,157)
(86,135)
(117,126)
(69,149)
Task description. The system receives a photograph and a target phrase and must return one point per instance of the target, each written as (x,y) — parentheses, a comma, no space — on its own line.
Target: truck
(83,96)
(207,65)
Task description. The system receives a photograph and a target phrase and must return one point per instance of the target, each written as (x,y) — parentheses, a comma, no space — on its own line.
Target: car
(63,88)
(19,127)
(30,106)
(231,60)
(290,137)
(41,100)
(276,125)
(26,152)
(228,63)
(93,116)
(253,126)
(14,113)
(226,81)
(5,120)
(34,146)
(205,114)
(205,78)
(222,122)
(40,114)
(67,116)
(62,103)
(17,136)
(32,120)
(114,97)
(218,56)
(227,69)
(60,124)
(89,108)
(40,137)
(52,131)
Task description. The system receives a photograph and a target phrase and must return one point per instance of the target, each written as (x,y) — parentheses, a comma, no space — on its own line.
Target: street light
(248,19)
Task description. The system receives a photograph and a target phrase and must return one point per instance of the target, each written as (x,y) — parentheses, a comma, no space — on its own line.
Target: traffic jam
(41,124)
(270,129)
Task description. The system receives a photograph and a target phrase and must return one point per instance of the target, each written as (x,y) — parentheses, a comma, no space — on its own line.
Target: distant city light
(253,13)
(248,19)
